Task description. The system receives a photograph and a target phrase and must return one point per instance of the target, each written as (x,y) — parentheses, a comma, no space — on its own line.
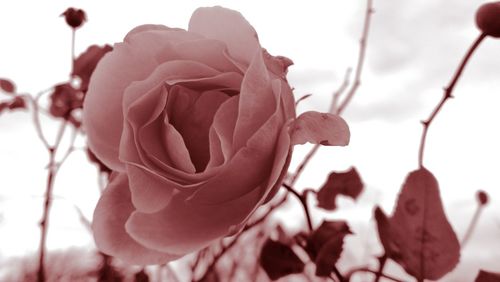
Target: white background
(413,50)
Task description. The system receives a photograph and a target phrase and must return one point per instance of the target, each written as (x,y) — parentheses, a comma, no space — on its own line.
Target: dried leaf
(485,276)
(325,245)
(278,260)
(429,247)
(344,183)
(7,86)
(319,128)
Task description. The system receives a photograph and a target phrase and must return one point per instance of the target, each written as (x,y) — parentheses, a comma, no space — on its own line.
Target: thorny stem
(448,91)
(472,226)
(357,82)
(44,223)
(361,57)
(366,269)
(303,201)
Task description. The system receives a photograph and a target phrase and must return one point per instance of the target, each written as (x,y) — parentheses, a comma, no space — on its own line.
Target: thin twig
(472,226)
(44,223)
(303,201)
(361,57)
(448,93)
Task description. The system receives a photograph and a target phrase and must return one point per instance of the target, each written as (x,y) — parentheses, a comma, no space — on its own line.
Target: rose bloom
(198,127)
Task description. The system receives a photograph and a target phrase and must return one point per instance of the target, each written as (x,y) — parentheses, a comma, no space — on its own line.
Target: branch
(303,201)
(448,93)
(44,223)
(361,57)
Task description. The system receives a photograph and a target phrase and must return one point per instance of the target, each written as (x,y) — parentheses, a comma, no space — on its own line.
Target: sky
(413,50)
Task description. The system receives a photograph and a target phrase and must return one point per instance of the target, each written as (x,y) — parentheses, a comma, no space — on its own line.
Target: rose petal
(224,123)
(257,101)
(319,128)
(129,61)
(228,26)
(195,127)
(216,154)
(181,228)
(250,167)
(150,193)
(207,51)
(108,225)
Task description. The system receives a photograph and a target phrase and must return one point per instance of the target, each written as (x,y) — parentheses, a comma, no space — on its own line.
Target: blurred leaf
(65,99)
(429,246)
(7,86)
(485,276)
(17,103)
(344,183)
(319,128)
(278,260)
(325,245)
(85,64)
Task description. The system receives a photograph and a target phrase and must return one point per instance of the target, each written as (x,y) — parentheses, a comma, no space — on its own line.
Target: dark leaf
(87,61)
(93,158)
(485,276)
(7,85)
(344,183)
(429,247)
(17,103)
(141,276)
(384,233)
(325,245)
(319,128)
(278,260)
(74,17)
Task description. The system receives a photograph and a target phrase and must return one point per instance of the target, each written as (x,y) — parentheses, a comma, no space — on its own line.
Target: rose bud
(488,19)
(198,127)
(482,197)
(74,17)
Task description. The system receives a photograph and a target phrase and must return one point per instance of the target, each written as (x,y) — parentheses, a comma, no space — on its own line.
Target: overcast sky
(413,50)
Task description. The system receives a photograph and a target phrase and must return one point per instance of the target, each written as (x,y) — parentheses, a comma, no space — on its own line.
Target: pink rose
(198,127)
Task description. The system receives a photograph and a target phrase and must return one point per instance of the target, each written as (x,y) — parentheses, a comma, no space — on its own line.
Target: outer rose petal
(108,225)
(228,26)
(181,228)
(319,128)
(257,101)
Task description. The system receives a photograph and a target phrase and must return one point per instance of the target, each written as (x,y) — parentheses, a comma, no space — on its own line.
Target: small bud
(488,19)
(74,17)
(482,197)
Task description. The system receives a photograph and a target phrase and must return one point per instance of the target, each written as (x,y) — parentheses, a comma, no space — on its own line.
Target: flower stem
(303,201)
(448,93)
(472,226)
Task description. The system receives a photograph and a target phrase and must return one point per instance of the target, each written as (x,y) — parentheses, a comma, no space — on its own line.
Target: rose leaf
(384,233)
(87,61)
(325,245)
(7,86)
(339,183)
(278,260)
(319,128)
(429,246)
(485,276)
